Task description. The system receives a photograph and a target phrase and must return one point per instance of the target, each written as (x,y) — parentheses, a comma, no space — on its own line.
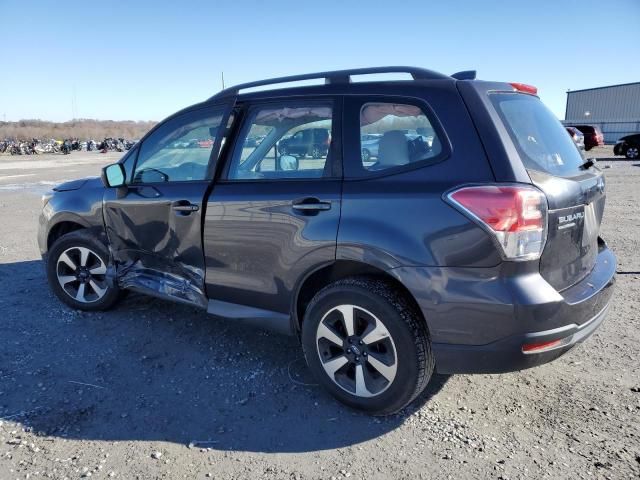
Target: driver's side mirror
(113,175)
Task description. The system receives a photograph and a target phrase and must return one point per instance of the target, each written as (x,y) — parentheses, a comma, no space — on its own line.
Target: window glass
(393,135)
(283,142)
(179,150)
(539,136)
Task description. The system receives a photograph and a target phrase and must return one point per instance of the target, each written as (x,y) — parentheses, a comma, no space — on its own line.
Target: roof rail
(333,77)
(465,75)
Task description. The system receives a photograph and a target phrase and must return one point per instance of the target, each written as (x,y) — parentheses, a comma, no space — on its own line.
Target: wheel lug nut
(348,350)
(357,359)
(361,342)
(365,354)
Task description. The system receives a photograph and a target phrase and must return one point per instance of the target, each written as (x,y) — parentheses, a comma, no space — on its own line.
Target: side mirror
(288,162)
(113,175)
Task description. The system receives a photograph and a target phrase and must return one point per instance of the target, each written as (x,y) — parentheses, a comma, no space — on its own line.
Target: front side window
(394,135)
(283,142)
(180,149)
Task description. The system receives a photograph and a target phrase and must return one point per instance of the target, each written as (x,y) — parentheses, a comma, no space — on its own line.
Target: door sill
(267,319)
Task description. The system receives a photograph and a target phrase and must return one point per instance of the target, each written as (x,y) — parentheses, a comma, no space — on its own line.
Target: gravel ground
(158,390)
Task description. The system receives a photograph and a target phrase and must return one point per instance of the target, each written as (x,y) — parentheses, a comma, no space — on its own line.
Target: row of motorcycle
(35,146)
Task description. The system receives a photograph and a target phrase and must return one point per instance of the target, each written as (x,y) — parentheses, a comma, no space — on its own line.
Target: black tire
(73,244)
(632,152)
(405,327)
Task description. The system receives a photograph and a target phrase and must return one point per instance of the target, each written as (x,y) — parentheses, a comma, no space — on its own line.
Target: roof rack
(334,77)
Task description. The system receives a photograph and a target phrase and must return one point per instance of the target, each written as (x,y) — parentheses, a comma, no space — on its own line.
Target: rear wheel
(77,272)
(367,345)
(316,152)
(632,153)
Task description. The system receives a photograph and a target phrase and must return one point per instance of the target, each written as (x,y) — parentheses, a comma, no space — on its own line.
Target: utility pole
(222,75)
(74,110)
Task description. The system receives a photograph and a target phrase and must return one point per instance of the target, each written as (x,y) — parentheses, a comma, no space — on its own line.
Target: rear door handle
(310,205)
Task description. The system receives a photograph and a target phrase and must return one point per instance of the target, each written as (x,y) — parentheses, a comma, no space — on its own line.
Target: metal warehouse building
(615,109)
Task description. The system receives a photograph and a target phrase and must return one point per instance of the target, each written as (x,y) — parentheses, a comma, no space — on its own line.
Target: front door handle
(310,205)
(185,207)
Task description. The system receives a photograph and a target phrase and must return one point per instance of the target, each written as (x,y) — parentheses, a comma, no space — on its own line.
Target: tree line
(82,129)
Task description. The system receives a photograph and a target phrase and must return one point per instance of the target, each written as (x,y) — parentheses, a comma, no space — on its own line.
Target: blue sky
(143,60)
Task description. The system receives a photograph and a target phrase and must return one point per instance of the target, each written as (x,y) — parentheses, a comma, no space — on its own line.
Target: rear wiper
(588,164)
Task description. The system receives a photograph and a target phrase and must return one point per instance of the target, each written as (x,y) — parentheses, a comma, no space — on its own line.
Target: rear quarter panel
(400,219)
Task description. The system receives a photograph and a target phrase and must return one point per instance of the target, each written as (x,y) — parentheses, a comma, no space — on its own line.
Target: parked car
(592,136)
(206,143)
(577,136)
(369,145)
(629,146)
(309,141)
(479,251)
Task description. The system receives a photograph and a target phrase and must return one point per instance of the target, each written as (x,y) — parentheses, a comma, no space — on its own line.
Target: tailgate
(575,212)
(575,191)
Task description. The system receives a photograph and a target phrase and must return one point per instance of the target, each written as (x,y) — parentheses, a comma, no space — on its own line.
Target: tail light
(523,87)
(516,216)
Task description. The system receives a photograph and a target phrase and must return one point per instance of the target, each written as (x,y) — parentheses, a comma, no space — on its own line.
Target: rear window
(540,138)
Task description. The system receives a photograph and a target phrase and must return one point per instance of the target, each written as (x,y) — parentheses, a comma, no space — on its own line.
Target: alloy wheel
(356,351)
(82,274)
(632,152)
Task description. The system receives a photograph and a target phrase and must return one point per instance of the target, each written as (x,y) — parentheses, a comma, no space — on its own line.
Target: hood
(78,184)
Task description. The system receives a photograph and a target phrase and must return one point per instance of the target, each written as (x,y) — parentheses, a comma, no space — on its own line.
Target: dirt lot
(156,390)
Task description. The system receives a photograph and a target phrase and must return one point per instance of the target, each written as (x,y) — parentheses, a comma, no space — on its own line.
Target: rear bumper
(506,355)
(479,319)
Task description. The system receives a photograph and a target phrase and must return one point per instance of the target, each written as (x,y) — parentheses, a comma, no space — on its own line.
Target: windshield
(540,138)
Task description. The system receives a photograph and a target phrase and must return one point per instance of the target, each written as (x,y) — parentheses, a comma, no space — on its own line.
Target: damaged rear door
(154,223)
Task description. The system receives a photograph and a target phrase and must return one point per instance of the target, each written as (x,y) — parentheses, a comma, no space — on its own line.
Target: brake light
(516,216)
(523,87)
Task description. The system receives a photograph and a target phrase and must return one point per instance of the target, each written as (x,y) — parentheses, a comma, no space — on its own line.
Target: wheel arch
(337,270)
(70,223)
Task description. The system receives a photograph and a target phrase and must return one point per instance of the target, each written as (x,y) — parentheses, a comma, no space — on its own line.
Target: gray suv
(473,249)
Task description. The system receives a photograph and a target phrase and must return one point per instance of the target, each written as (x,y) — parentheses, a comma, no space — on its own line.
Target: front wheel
(367,345)
(632,153)
(77,272)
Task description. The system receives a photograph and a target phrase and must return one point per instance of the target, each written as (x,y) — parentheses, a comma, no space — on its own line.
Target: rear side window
(540,138)
(395,135)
